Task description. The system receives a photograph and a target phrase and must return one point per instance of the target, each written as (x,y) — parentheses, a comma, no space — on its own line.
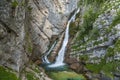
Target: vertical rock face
(98,37)
(28,26)
(49,19)
(12,16)
(104,32)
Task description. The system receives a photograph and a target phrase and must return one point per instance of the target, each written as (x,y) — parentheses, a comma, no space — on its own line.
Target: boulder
(71,60)
(75,65)
(38,62)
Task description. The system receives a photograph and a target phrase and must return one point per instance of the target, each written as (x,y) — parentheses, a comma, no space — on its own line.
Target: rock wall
(96,42)
(12,33)
(104,31)
(27,28)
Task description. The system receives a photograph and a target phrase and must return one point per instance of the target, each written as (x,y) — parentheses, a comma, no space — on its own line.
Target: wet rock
(12,32)
(38,62)
(117,74)
(3,32)
(106,38)
(75,65)
(55,51)
(71,60)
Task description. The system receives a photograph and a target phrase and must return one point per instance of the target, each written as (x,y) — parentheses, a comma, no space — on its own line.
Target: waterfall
(45,59)
(60,58)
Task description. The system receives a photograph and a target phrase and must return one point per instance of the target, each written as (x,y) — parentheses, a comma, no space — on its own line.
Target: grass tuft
(5,74)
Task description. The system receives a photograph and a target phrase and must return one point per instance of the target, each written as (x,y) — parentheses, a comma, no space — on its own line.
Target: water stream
(60,58)
(45,59)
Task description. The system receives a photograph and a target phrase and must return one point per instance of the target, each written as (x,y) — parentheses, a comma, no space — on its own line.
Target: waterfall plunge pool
(59,62)
(47,67)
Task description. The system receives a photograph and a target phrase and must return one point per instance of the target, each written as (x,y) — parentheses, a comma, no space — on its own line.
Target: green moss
(30,49)
(5,74)
(23,3)
(36,69)
(108,68)
(29,45)
(30,76)
(14,4)
(117,46)
(66,76)
(116,20)
(91,2)
(73,29)
(88,34)
(86,28)
(94,33)
(84,57)
(29,8)
(60,12)
(110,52)
(94,67)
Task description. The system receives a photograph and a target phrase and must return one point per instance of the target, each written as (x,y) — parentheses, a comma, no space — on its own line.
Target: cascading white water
(45,59)
(60,58)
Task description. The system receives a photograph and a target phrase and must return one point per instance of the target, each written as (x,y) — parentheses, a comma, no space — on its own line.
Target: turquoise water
(59,68)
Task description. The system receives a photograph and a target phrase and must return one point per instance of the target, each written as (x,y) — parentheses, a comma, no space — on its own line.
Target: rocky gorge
(28,28)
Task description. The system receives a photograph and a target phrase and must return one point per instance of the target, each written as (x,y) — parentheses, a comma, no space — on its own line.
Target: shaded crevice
(9,30)
(36,3)
(95,48)
(42,32)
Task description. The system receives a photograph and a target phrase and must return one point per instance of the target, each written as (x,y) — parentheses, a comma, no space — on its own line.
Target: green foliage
(93,2)
(29,45)
(30,49)
(88,19)
(30,76)
(110,52)
(107,68)
(86,29)
(108,63)
(94,67)
(117,46)
(94,34)
(36,68)
(73,29)
(29,8)
(23,3)
(14,4)
(116,20)
(84,57)
(66,76)
(6,74)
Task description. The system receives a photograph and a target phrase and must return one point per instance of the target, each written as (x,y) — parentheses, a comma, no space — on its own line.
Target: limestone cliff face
(27,27)
(49,18)
(12,34)
(100,29)
(97,41)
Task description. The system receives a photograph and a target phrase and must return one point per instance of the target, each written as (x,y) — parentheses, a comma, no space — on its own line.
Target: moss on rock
(65,75)
(6,74)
